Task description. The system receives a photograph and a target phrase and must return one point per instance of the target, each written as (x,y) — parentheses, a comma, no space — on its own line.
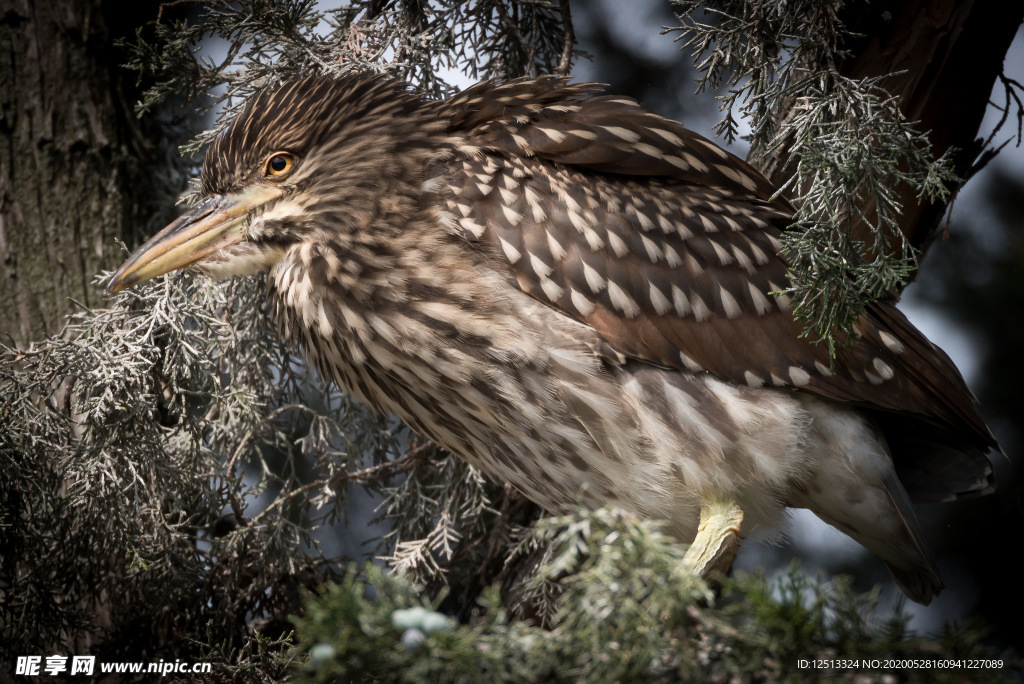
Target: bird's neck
(378,307)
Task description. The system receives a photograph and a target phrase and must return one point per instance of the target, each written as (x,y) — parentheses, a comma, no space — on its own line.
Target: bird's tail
(854,487)
(911,565)
(885,524)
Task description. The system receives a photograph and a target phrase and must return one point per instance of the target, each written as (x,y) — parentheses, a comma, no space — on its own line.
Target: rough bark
(66,163)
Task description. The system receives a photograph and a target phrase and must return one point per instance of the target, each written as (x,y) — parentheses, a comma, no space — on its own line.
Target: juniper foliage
(848,144)
(153,456)
(627,613)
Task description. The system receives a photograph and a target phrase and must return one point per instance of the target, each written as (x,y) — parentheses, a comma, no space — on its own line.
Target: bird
(582,299)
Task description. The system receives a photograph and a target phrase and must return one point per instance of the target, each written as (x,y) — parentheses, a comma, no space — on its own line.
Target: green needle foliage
(847,144)
(135,449)
(628,612)
(416,42)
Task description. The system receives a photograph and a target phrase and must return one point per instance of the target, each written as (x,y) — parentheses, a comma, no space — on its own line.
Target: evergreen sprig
(849,148)
(161,461)
(628,612)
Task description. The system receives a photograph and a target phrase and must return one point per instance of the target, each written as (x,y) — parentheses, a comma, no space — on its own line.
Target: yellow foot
(718,539)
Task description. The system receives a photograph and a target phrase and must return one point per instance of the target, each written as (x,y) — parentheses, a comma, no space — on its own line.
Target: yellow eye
(279,165)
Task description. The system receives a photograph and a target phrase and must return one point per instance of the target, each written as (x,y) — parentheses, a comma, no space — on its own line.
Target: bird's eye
(278,165)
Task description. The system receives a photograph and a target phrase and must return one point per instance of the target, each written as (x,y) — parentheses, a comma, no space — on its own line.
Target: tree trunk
(66,162)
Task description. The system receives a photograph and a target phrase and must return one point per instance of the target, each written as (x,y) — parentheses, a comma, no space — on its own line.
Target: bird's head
(312,156)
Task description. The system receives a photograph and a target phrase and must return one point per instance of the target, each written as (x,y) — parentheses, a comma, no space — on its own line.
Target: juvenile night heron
(574,295)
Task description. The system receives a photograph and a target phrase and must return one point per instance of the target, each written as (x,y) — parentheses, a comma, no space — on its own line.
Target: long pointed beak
(211,225)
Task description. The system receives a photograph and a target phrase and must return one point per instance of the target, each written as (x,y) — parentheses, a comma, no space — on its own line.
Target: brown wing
(668,247)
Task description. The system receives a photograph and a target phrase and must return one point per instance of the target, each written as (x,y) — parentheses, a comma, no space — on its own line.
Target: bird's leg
(718,538)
